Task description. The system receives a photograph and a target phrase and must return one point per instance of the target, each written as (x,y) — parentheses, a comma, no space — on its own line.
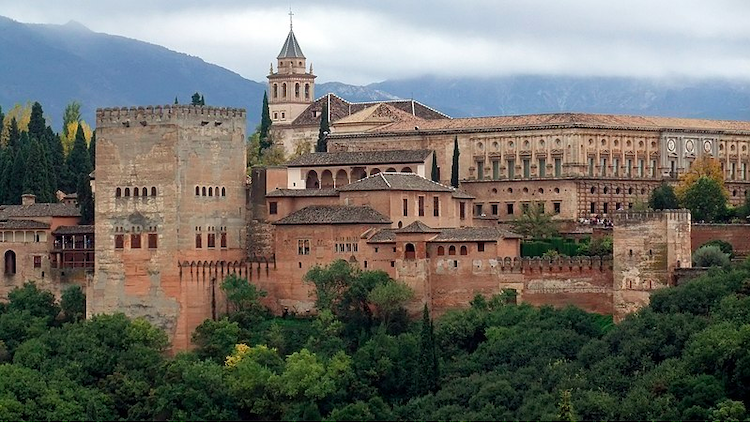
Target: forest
(362,357)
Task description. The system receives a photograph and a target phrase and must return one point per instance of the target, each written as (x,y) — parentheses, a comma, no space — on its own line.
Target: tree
(706,199)
(18,172)
(709,256)
(37,124)
(565,407)
(663,198)
(92,151)
(534,223)
(85,200)
(389,298)
(454,167)
(215,339)
(703,166)
(265,125)
(73,303)
(435,175)
(244,296)
(322,144)
(78,162)
(36,179)
(429,371)
(197,100)
(71,114)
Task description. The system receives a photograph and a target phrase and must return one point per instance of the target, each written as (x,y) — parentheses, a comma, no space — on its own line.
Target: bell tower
(291,88)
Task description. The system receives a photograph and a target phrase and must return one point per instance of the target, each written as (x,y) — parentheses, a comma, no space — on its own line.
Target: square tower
(170,211)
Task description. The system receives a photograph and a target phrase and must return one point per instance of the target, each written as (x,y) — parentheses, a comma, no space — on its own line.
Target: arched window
(307,91)
(452,250)
(296,90)
(441,251)
(223,192)
(216,191)
(275,90)
(127,192)
(326,179)
(464,250)
(390,169)
(283,90)
(153,191)
(312,182)
(10,262)
(144,192)
(210,191)
(136,192)
(409,251)
(118,192)
(406,170)
(374,171)
(203,191)
(197,190)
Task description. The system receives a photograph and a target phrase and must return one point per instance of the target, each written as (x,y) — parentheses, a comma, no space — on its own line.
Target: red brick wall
(736,234)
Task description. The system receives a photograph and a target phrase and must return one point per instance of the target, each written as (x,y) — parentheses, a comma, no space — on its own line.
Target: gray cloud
(363,42)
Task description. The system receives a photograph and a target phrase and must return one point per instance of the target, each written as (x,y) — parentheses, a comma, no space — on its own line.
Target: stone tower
(648,246)
(170,209)
(291,88)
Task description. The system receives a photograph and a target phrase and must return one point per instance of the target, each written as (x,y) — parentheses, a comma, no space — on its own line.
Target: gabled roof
(390,181)
(462,195)
(383,236)
(290,49)
(473,234)
(381,113)
(417,227)
(74,230)
(285,192)
(360,158)
(327,215)
(39,210)
(23,224)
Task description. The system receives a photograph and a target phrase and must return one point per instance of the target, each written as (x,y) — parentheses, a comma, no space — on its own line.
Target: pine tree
(92,151)
(175,100)
(18,173)
(429,372)
(14,134)
(203,100)
(85,200)
(196,99)
(6,177)
(36,179)
(57,158)
(435,171)
(454,168)
(78,163)
(37,124)
(322,144)
(265,125)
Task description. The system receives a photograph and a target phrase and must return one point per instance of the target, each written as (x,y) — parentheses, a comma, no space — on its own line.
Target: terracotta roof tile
(417,227)
(360,158)
(39,210)
(23,224)
(390,181)
(383,236)
(285,192)
(327,215)
(473,234)
(74,230)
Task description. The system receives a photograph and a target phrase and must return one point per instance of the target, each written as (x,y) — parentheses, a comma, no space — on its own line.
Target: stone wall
(736,234)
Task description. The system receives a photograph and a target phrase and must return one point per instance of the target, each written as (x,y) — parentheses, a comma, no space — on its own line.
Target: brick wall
(736,234)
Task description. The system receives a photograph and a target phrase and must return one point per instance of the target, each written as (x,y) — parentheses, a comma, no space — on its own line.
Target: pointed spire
(291,47)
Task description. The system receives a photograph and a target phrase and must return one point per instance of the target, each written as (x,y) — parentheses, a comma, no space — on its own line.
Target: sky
(362,42)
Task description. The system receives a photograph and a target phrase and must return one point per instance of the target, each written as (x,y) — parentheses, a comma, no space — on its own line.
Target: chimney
(28,199)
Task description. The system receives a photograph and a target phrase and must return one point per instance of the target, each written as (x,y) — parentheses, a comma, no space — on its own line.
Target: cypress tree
(78,163)
(36,180)
(85,200)
(195,100)
(2,119)
(18,173)
(435,171)
(203,100)
(14,134)
(92,151)
(57,158)
(429,372)
(322,144)
(454,167)
(7,176)
(175,100)
(37,125)
(265,125)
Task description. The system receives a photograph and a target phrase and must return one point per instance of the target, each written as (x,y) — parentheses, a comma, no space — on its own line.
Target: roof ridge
(385,180)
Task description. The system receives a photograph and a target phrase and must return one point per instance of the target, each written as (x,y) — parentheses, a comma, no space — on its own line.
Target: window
(296,90)
(542,168)
(37,262)
(526,168)
(556,207)
(203,191)
(144,192)
(464,250)
(653,168)
(494,208)
(641,166)
(436,206)
(480,169)
(452,250)
(605,208)
(496,169)
(406,206)
(198,241)
(127,192)
(275,91)
(153,191)
(744,171)
(603,170)
(616,167)
(211,240)
(118,192)
(276,116)
(593,207)
(307,91)
(618,206)
(511,168)
(152,240)
(421,205)
(10,262)
(135,240)
(628,167)
(223,192)
(478,210)
(303,247)
(136,192)
(409,251)
(119,241)
(210,191)
(441,251)
(558,167)
(509,209)
(734,169)
(223,240)
(591,166)
(462,210)
(197,190)
(480,246)
(273,207)
(283,90)
(524,207)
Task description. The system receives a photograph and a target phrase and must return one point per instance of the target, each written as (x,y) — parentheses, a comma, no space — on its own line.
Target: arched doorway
(312,181)
(410,252)
(326,179)
(342,178)
(10,262)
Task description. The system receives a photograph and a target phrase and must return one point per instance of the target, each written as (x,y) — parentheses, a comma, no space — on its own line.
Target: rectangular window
(303,247)
(605,208)
(556,207)
(641,166)
(603,164)
(744,171)
(509,209)
(480,246)
(616,167)
(495,208)
(198,241)
(135,240)
(734,169)
(212,240)
(542,168)
(37,262)
(119,241)
(436,206)
(496,169)
(462,210)
(526,168)
(478,210)
(273,207)
(406,206)
(421,205)
(511,168)
(593,208)
(618,206)
(480,169)
(653,168)
(558,167)
(591,166)
(628,167)
(223,240)
(152,239)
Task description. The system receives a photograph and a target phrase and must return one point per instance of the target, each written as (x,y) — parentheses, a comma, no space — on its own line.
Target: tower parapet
(185,114)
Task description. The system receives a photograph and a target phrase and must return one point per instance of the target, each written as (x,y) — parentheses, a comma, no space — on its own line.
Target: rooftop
(395,181)
(74,230)
(285,192)
(339,158)
(417,227)
(39,210)
(473,234)
(23,224)
(327,215)
(290,49)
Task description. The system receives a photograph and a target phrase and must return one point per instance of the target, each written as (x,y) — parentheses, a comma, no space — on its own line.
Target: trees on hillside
(706,199)
(663,198)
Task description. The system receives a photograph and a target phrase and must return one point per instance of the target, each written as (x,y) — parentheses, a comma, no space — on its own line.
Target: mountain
(56,64)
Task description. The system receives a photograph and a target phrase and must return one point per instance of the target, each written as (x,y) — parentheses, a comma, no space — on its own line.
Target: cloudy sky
(361,42)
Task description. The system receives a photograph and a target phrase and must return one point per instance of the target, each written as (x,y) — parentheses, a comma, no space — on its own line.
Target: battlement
(145,115)
(629,216)
(529,265)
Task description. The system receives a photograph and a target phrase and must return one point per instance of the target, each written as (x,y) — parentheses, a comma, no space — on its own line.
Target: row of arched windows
(452,250)
(296,90)
(137,192)
(210,191)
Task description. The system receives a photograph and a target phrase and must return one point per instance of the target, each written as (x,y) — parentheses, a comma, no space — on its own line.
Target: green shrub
(724,246)
(710,256)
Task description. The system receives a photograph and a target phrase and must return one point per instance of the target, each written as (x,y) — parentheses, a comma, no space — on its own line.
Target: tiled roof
(39,210)
(568,119)
(417,227)
(380,113)
(396,182)
(285,192)
(473,234)
(383,236)
(23,224)
(290,48)
(411,107)
(74,230)
(463,195)
(326,215)
(360,158)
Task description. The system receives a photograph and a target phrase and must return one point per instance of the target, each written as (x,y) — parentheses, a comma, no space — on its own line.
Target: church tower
(291,89)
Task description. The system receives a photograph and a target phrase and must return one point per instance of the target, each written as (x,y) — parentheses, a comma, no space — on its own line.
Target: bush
(710,256)
(724,246)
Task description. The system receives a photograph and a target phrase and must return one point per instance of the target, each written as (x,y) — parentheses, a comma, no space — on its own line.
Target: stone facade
(170,203)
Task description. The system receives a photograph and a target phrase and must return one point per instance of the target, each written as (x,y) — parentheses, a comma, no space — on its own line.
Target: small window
(118,192)
(406,206)
(421,205)
(436,206)
(127,192)
(556,207)
(211,240)
(203,191)
(464,250)
(462,210)
(119,241)
(273,207)
(198,241)
(480,246)
(452,250)
(494,208)
(136,192)
(223,240)
(144,192)
(135,240)
(197,190)
(37,262)
(509,208)
(223,192)
(210,191)
(441,251)
(303,247)
(152,240)
(153,191)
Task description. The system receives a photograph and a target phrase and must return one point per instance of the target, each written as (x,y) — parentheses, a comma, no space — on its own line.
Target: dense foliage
(686,357)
